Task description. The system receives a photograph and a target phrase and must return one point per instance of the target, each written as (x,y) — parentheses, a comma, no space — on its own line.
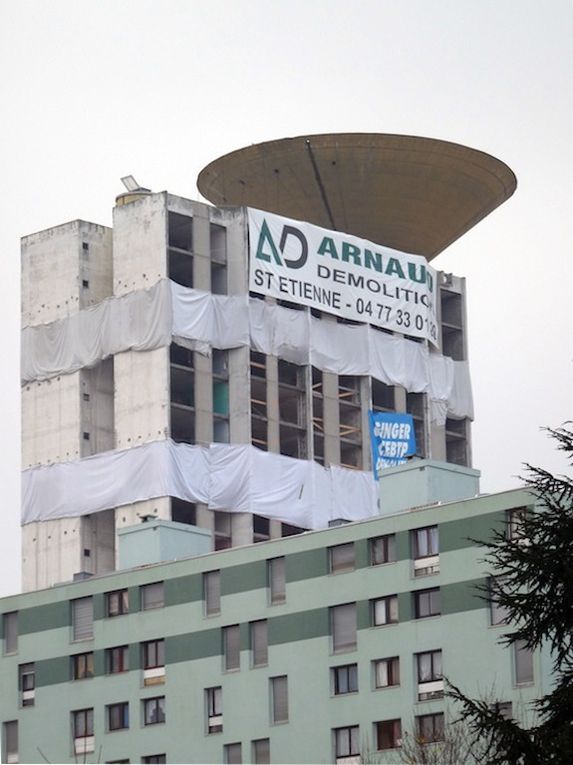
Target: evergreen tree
(533,581)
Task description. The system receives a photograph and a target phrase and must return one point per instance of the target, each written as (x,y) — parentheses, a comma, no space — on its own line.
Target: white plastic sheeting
(208,320)
(199,320)
(139,321)
(223,476)
(345,349)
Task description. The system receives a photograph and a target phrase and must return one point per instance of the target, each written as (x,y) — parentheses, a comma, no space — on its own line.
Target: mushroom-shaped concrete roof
(414,194)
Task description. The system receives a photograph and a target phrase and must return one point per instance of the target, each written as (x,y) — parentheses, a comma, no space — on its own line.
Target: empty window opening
(223,530)
(383,396)
(180,231)
(183,512)
(261,528)
(415,405)
(457,441)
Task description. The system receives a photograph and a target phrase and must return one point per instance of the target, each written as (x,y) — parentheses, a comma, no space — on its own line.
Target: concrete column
(239,396)
(273,412)
(203,399)
(275,529)
(241,529)
(201,249)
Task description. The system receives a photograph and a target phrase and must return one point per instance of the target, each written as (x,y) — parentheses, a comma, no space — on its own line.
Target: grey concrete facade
(237,396)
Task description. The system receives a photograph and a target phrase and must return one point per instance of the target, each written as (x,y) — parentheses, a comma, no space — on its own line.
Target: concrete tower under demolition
(156,383)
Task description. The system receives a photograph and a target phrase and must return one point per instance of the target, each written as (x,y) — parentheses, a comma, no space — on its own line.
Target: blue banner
(393,439)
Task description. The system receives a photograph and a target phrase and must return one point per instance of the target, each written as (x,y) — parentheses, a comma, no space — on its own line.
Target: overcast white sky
(91,91)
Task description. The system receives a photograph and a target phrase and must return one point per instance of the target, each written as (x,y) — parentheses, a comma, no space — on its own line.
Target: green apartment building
(323,647)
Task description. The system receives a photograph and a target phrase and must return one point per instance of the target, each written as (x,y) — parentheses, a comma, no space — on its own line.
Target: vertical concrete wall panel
(141,397)
(51,421)
(139,244)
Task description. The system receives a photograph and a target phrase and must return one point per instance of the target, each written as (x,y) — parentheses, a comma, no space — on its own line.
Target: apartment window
(154,758)
(277,580)
(232,754)
(117,716)
(82,619)
(153,662)
(85,283)
(385,610)
(343,627)
(10,742)
(515,520)
(151,596)
(430,728)
(27,684)
(10,624)
(341,558)
(383,549)
(85,247)
(116,603)
(346,743)
(83,730)
(154,710)
(427,603)
(279,699)
(214,702)
(116,659)
(523,661)
(345,679)
(259,643)
(429,673)
(498,613)
(388,734)
(426,551)
(231,647)
(82,666)
(261,751)
(212,592)
(386,672)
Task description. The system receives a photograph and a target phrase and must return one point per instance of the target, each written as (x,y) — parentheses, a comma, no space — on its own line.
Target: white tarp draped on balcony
(199,320)
(223,476)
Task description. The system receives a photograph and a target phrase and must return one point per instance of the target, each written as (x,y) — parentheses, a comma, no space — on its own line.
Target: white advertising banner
(342,274)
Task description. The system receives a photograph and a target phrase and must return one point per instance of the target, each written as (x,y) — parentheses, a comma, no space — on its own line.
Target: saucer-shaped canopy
(413,194)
